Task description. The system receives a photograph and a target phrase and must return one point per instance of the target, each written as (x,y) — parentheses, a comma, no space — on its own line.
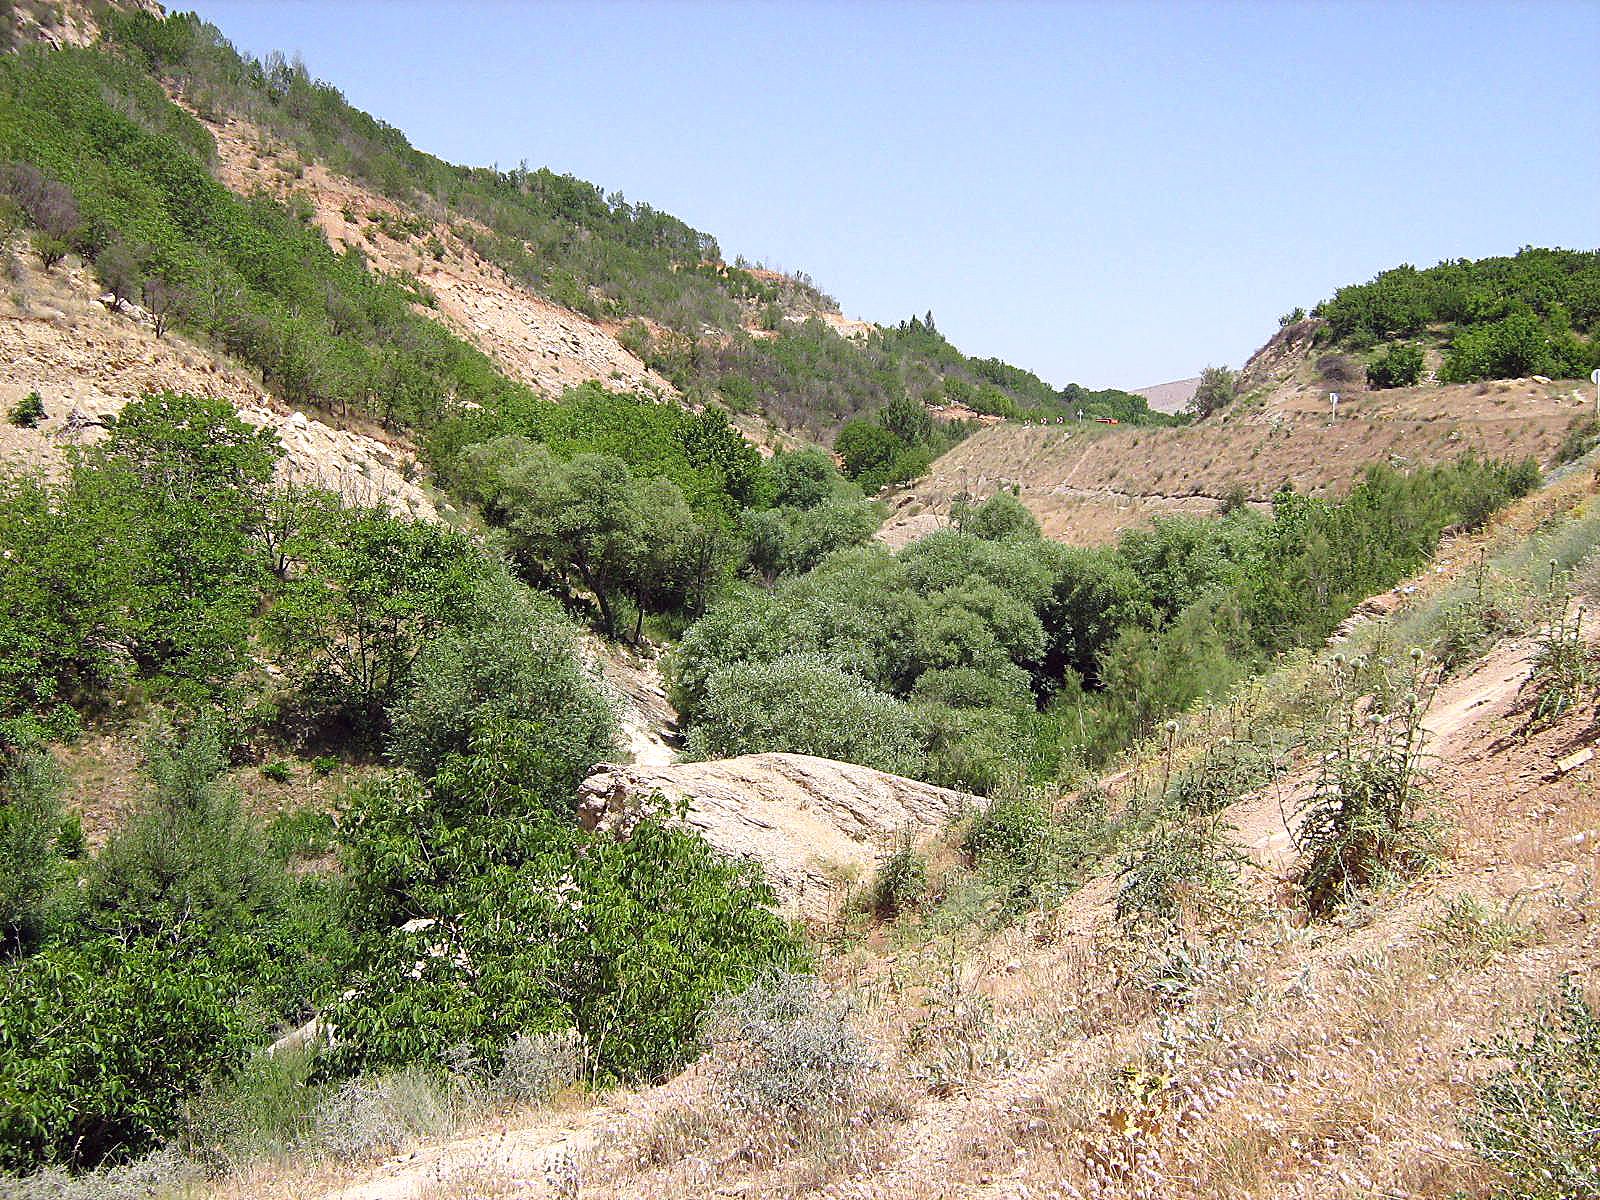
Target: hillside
(1251,1050)
(469,730)
(1169,397)
(1088,483)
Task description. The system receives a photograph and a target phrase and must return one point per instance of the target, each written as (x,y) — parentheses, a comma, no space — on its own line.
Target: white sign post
(1594,378)
(1333,399)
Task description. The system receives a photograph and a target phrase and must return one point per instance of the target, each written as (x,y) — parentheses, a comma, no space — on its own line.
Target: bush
(503,704)
(1535,1119)
(803,704)
(278,772)
(1360,826)
(1180,874)
(1566,669)
(99,1044)
(1398,366)
(32,866)
(900,881)
(784,1049)
(1581,436)
(534,1067)
(190,867)
(541,928)
(1010,834)
(369,592)
(28,412)
(1218,386)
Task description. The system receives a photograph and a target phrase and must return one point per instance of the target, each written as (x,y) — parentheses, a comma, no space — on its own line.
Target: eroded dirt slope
(541,344)
(1087,482)
(58,338)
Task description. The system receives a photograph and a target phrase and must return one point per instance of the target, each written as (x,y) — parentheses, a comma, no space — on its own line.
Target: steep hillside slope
(59,339)
(543,345)
(1169,397)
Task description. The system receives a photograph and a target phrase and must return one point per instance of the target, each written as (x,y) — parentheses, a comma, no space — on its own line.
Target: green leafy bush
(100,1042)
(27,412)
(369,591)
(33,855)
(1398,366)
(804,704)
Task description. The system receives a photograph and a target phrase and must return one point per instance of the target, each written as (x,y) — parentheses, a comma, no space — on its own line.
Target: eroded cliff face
(59,338)
(816,826)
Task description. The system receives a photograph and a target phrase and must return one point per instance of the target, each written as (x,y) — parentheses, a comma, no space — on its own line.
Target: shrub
(1218,386)
(1581,436)
(32,867)
(1469,929)
(28,412)
(371,589)
(1565,667)
(784,1049)
(999,517)
(189,867)
(1535,1119)
(99,1044)
(1398,366)
(1182,873)
(534,1067)
(803,704)
(375,1115)
(1360,824)
(1224,772)
(1010,834)
(503,703)
(900,881)
(278,772)
(539,928)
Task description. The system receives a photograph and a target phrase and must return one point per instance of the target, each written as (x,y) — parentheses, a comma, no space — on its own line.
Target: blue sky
(1111,194)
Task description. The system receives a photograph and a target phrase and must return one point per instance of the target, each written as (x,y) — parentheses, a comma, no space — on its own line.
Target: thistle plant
(1564,668)
(1361,824)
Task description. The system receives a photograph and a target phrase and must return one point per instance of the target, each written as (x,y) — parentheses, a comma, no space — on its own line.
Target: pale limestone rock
(816,826)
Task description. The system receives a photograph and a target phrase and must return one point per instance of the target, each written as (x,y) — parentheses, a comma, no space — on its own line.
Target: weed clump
(901,880)
(1565,672)
(27,412)
(1182,873)
(1361,824)
(1538,1118)
(787,1050)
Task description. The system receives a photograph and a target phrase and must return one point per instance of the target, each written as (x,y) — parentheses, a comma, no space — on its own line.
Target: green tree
(368,591)
(1218,386)
(1398,366)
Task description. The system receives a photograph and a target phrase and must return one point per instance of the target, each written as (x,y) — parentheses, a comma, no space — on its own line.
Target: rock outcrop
(59,338)
(816,826)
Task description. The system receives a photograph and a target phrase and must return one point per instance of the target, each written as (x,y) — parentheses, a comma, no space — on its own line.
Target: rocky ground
(817,827)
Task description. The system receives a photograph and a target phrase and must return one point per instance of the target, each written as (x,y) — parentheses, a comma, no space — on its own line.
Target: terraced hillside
(1086,482)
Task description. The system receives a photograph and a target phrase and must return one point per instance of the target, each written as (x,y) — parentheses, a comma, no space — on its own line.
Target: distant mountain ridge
(1171,397)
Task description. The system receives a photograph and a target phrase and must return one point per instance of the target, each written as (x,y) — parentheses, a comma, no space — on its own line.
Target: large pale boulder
(816,826)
